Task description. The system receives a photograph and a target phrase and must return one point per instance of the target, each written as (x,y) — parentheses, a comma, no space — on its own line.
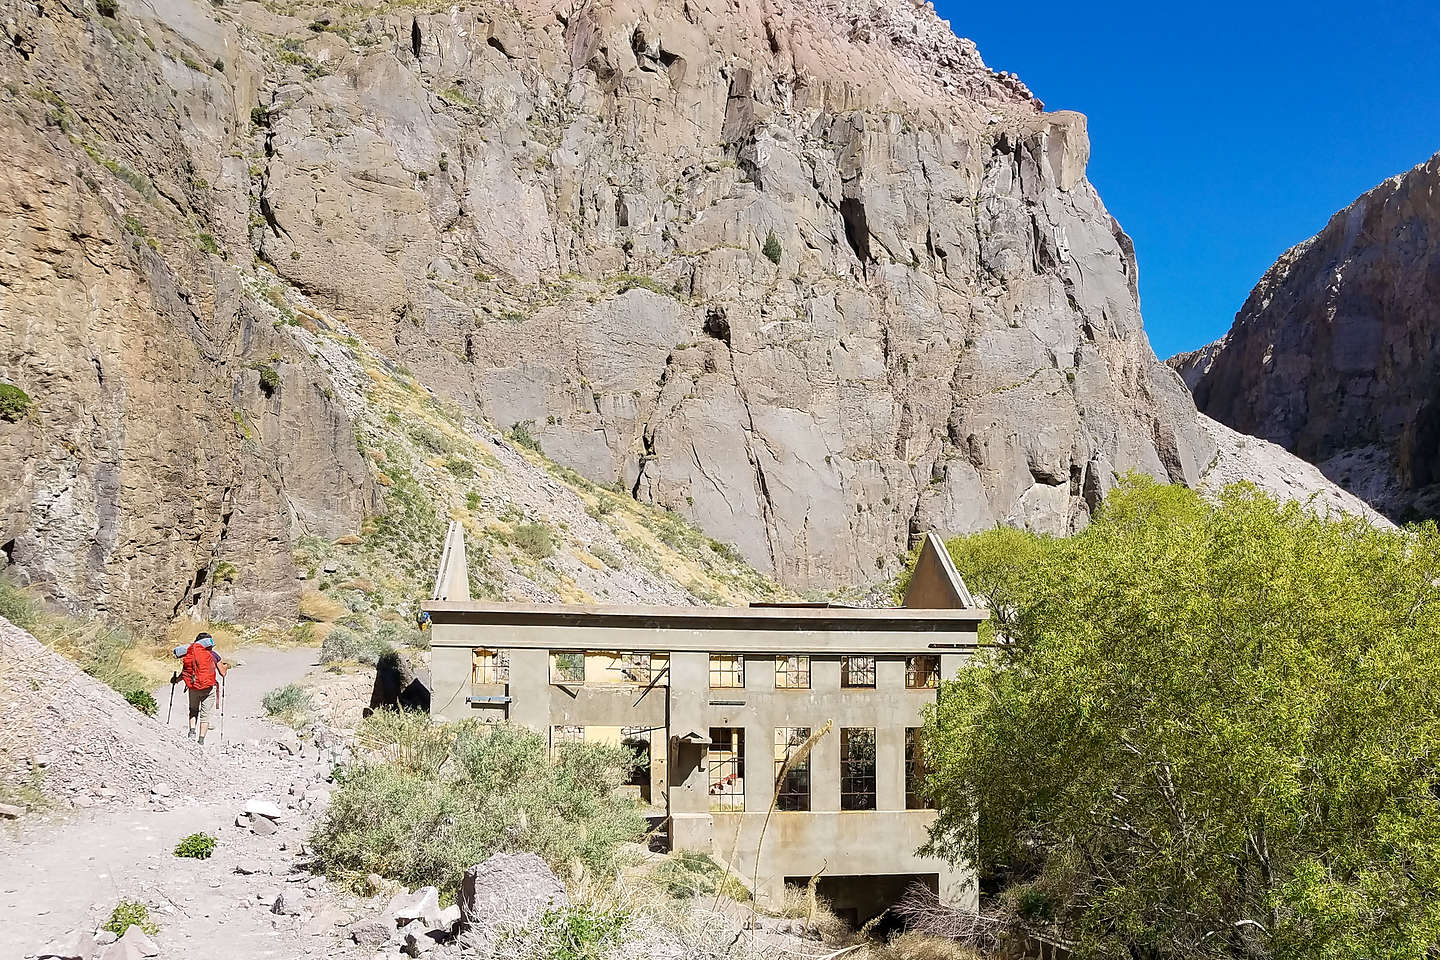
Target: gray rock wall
(1335,354)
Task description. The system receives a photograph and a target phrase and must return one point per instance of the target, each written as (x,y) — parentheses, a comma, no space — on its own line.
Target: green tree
(1202,730)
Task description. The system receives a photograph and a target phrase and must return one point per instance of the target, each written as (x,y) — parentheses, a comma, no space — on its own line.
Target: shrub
(269,379)
(576,932)
(342,643)
(460,467)
(288,703)
(689,874)
(14,403)
(534,539)
(17,606)
(772,248)
(197,846)
(442,799)
(127,914)
(143,701)
(520,433)
(106,8)
(472,500)
(225,572)
(206,242)
(260,116)
(402,634)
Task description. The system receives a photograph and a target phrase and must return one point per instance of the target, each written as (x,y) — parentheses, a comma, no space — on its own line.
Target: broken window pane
(857,768)
(726,759)
(567,667)
(792,785)
(915,769)
(489,666)
(922,673)
(727,671)
(792,673)
(857,672)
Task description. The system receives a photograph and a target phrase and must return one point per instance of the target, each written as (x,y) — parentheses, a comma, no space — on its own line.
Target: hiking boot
(201,741)
(192,733)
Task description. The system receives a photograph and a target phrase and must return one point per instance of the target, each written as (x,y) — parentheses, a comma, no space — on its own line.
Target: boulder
(397,686)
(423,905)
(370,933)
(260,807)
(132,945)
(79,945)
(262,826)
(508,888)
(286,905)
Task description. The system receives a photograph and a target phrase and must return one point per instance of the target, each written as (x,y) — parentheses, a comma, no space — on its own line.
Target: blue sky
(1223,133)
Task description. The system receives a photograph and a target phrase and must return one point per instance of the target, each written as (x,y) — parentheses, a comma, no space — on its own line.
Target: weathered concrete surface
(1335,354)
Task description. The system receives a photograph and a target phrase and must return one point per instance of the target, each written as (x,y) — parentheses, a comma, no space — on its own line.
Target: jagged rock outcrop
(1336,353)
(806,272)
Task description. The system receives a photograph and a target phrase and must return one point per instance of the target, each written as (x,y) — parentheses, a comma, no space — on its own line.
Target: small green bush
(688,874)
(577,932)
(260,116)
(772,248)
(14,403)
(534,539)
(472,500)
(197,846)
(447,797)
(106,8)
(269,379)
(342,643)
(402,634)
(205,241)
(287,704)
(460,467)
(520,433)
(130,913)
(225,572)
(143,701)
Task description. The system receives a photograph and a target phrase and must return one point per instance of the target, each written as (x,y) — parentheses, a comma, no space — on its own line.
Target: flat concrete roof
(689,618)
(797,630)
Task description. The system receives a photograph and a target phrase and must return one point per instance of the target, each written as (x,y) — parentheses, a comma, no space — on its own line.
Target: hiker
(422,620)
(201,669)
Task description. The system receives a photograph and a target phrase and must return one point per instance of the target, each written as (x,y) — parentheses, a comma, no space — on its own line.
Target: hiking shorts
(200,702)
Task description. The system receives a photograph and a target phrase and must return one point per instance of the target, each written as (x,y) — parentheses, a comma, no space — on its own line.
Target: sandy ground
(66,871)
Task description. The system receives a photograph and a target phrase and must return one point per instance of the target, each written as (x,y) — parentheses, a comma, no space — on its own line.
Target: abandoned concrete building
(718,699)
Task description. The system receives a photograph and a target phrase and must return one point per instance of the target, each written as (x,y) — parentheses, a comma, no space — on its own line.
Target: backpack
(198,671)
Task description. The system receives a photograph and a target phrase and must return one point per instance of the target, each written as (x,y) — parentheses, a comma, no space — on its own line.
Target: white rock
(260,807)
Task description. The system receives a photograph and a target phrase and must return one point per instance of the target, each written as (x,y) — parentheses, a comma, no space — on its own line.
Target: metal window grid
(726,767)
(858,672)
(793,792)
(792,673)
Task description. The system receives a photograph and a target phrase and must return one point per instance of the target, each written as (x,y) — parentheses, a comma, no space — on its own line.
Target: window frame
(858,790)
(727,666)
(787,668)
(793,795)
(916,769)
(931,679)
(489,666)
(557,678)
(725,770)
(848,675)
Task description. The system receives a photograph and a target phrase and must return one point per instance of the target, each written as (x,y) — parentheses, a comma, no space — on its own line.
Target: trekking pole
(222,709)
(171,711)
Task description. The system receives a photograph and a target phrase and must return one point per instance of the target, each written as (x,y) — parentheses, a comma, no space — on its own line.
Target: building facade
(781,739)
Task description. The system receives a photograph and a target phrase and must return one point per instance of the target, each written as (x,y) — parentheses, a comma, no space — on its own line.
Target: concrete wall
(823,839)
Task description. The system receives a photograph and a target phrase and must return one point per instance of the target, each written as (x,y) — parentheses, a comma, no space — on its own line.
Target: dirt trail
(66,871)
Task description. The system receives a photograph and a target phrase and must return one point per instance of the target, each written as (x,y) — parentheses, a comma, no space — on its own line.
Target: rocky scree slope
(808,274)
(1335,354)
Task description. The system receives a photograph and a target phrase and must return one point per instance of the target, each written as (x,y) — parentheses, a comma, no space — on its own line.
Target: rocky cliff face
(1336,353)
(806,273)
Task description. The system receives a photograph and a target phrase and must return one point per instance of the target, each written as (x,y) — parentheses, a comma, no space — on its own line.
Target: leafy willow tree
(1202,730)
